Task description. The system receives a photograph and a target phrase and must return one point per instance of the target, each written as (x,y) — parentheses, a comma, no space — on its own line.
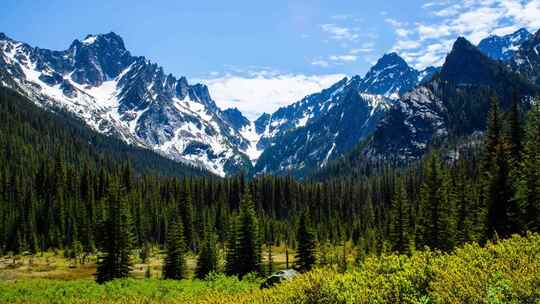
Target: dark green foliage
(207,261)
(248,250)
(436,222)
(528,177)
(231,262)
(400,223)
(58,191)
(174,264)
(116,241)
(306,251)
(497,188)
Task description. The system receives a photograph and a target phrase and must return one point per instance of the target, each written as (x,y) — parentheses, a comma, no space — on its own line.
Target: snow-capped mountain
(323,126)
(526,60)
(129,97)
(345,117)
(504,47)
(454,103)
(391,76)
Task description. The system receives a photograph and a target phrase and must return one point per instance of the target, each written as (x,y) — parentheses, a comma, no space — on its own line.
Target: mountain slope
(526,60)
(306,135)
(128,97)
(28,132)
(503,48)
(454,103)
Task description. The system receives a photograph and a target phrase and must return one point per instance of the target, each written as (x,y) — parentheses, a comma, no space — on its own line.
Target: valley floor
(504,272)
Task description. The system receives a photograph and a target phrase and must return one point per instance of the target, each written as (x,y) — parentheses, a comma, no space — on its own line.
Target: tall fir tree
(437,226)
(496,179)
(116,240)
(174,264)
(249,246)
(306,256)
(528,181)
(207,261)
(400,234)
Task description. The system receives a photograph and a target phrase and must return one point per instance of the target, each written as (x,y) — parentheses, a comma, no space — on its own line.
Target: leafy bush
(505,272)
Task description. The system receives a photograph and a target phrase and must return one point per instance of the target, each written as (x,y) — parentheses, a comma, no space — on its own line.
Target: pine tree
(231,257)
(496,171)
(436,210)
(116,238)
(186,210)
(207,261)
(174,263)
(465,211)
(306,251)
(400,235)
(528,181)
(249,247)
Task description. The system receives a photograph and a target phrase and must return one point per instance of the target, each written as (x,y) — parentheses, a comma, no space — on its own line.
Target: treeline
(48,203)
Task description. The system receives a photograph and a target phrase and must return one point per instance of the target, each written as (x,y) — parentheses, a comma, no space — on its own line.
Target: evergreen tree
(249,247)
(207,261)
(306,251)
(528,181)
(186,210)
(497,188)
(400,235)
(437,213)
(174,263)
(231,258)
(116,238)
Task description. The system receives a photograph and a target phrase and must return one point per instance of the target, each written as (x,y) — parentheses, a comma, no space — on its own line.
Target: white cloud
(340,33)
(321,63)
(427,42)
(343,58)
(255,95)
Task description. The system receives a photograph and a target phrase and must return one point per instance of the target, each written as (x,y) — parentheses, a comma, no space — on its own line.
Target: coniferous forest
(57,193)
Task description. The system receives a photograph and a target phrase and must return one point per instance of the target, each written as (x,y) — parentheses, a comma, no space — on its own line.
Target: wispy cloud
(255,95)
(340,33)
(344,58)
(348,40)
(321,63)
(427,42)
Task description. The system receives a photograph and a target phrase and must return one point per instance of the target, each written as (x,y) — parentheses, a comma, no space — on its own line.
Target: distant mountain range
(394,110)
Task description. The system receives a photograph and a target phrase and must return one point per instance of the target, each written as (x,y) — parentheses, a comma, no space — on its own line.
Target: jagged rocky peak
(98,58)
(235,118)
(129,97)
(504,47)
(526,60)
(390,76)
(465,64)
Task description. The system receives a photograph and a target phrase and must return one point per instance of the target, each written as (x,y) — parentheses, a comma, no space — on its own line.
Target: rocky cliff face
(128,97)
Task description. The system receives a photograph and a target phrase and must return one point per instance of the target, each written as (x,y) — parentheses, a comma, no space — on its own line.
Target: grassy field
(505,272)
(53,265)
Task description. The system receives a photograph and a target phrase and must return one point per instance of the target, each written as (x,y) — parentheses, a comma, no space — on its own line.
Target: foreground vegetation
(507,271)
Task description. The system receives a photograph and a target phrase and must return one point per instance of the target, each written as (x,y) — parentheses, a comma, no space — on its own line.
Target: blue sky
(259,55)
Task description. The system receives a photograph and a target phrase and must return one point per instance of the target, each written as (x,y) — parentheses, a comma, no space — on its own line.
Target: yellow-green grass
(505,272)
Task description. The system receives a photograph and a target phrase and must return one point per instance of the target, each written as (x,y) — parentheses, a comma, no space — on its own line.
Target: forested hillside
(58,197)
(30,135)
